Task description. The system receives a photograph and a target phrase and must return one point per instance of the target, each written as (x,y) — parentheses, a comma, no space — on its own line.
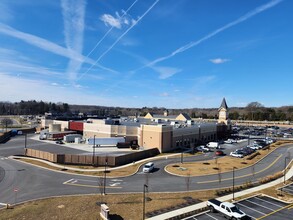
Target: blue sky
(135,53)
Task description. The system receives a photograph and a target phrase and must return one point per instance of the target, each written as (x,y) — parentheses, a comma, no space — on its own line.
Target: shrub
(250,157)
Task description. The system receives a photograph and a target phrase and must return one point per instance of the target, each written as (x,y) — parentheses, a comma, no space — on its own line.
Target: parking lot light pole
(285,170)
(145,187)
(248,143)
(233,182)
(94,148)
(105,174)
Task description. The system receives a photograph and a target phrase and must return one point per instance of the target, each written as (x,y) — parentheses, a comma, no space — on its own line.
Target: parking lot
(288,189)
(257,207)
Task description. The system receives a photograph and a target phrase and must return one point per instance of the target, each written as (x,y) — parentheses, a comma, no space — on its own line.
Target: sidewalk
(201,205)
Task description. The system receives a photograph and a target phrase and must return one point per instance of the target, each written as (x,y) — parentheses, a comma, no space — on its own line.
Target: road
(21,182)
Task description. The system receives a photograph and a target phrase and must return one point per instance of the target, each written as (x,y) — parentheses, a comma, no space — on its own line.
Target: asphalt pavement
(21,182)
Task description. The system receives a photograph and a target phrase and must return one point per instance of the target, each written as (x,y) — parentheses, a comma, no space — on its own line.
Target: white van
(213,145)
(148,167)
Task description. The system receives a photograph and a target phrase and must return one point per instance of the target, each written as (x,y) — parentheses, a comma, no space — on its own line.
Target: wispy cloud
(16,67)
(219,60)
(124,13)
(73,18)
(164,94)
(26,90)
(205,79)
(192,44)
(41,43)
(118,21)
(166,72)
(48,46)
(122,35)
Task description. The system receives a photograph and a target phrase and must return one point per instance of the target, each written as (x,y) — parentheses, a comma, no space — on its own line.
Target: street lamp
(285,169)
(145,188)
(94,147)
(25,143)
(248,137)
(199,134)
(105,174)
(233,188)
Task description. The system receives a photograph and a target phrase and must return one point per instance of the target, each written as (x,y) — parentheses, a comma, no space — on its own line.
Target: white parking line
(269,202)
(251,209)
(259,205)
(68,181)
(211,216)
(81,180)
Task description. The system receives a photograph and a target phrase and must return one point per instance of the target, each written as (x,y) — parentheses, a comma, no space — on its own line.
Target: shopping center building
(165,132)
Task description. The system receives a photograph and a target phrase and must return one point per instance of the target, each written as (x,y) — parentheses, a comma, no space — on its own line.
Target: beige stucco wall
(64,124)
(45,122)
(155,136)
(100,130)
(97,121)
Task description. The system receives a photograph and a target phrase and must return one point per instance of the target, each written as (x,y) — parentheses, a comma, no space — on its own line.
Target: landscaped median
(122,171)
(222,164)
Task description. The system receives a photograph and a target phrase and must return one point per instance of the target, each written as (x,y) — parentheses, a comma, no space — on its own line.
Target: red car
(219,153)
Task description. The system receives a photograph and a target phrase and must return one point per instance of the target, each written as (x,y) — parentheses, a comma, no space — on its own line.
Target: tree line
(253,111)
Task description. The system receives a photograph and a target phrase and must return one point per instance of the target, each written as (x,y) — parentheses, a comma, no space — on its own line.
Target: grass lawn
(124,206)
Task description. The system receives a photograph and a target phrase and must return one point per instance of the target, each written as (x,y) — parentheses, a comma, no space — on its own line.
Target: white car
(236,154)
(203,148)
(255,146)
(147,168)
(230,141)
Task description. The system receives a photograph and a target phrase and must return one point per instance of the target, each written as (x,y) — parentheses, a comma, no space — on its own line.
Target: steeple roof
(224,104)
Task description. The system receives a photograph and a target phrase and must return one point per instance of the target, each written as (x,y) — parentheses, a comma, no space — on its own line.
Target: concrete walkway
(201,205)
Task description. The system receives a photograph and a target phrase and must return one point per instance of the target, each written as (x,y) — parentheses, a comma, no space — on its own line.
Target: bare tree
(5,122)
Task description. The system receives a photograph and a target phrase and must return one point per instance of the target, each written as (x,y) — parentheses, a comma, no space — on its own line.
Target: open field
(219,164)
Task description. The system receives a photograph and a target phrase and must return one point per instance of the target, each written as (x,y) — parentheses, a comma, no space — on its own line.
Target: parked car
(236,154)
(147,168)
(59,142)
(203,148)
(219,153)
(254,146)
(247,150)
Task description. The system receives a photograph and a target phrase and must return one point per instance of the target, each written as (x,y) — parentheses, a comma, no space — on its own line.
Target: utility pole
(145,188)
(25,143)
(94,148)
(105,174)
(285,170)
(233,182)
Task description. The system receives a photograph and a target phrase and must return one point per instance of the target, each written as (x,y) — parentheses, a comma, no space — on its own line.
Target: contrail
(119,38)
(105,35)
(212,34)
